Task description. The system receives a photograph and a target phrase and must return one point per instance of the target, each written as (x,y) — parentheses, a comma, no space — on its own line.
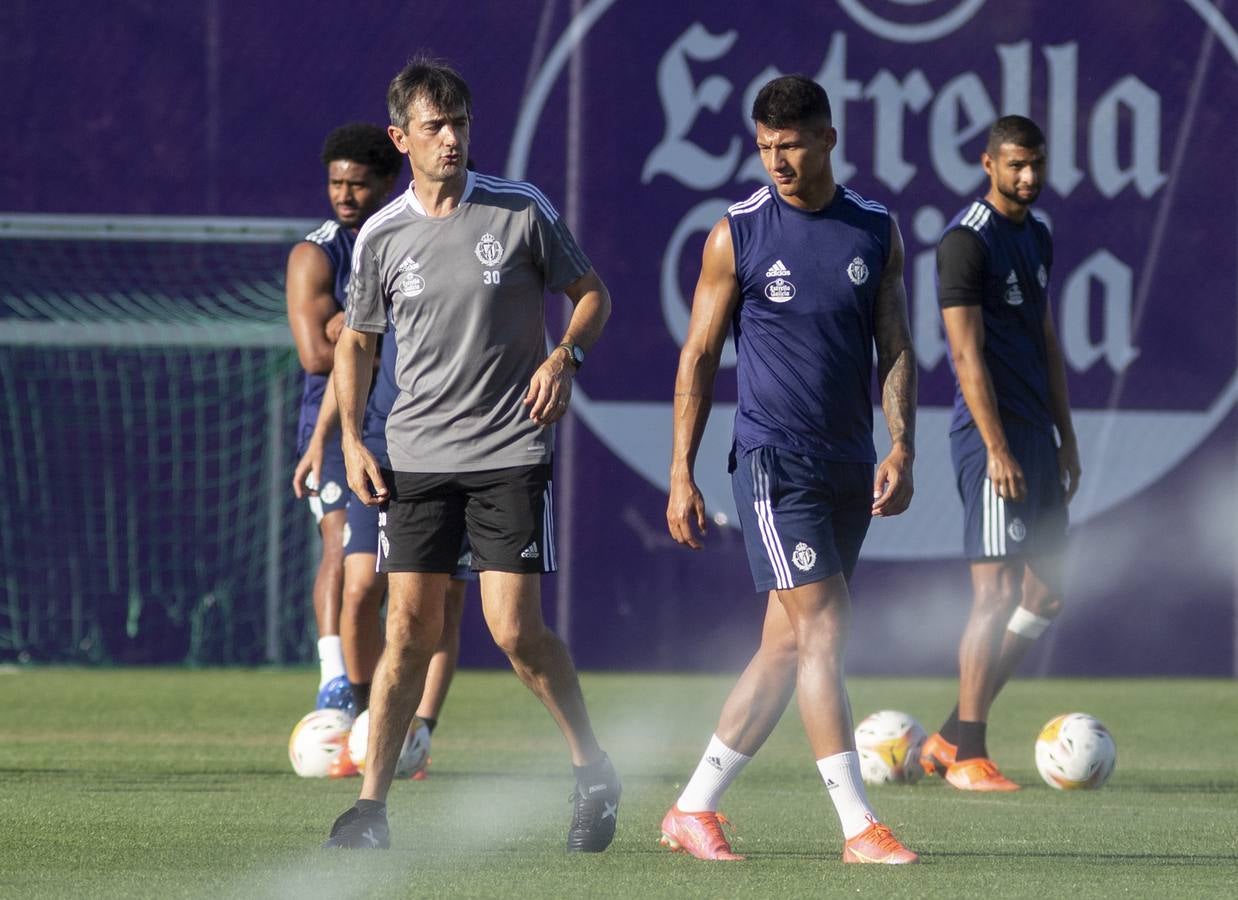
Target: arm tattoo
(896,360)
(898,398)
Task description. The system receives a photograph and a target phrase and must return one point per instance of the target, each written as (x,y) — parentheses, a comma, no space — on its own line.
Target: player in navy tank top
(1013,476)
(809,275)
(361,167)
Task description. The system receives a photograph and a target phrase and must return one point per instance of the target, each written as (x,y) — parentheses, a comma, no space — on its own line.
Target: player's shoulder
(324,234)
(862,206)
(511,194)
(860,212)
(754,202)
(387,219)
(976,218)
(319,251)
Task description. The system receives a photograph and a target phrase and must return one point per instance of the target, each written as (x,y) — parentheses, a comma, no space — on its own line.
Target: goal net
(148,400)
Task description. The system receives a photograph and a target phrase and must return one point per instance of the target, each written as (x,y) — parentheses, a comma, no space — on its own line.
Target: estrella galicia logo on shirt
(804,557)
(1014,296)
(857,271)
(489,250)
(411,284)
(779,290)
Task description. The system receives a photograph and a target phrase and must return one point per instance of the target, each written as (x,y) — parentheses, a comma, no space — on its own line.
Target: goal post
(148,398)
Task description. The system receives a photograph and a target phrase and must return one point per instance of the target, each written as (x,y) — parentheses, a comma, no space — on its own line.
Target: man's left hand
(550,390)
(892,485)
(1068,467)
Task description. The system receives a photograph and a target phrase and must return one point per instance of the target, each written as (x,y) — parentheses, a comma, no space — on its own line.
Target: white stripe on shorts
(548,528)
(769,532)
(994,523)
(378,542)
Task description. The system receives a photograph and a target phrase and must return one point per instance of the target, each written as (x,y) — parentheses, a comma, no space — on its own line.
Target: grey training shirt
(466,294)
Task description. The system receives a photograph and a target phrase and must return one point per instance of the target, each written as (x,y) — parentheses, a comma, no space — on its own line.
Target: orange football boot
(423,772)
(979,774)
(937,755)
(696,833)
(877,844)
(342,766)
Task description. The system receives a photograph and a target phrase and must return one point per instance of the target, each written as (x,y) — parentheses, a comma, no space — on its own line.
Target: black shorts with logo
(508,515)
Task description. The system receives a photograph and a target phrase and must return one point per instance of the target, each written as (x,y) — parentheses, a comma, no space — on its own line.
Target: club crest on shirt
(1014,296)
(411,284)
(489,250)
(857,271)
(804,557)
(1017,530)
(779,290)
(1042,275)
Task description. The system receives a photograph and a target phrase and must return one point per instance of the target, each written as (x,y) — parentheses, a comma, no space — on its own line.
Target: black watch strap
(575,353)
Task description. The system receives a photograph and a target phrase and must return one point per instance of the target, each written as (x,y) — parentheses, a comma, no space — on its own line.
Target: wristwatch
(575,353)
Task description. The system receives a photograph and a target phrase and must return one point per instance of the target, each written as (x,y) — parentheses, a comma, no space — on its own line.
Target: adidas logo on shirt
(530,552)
(777,270)
(1014,296)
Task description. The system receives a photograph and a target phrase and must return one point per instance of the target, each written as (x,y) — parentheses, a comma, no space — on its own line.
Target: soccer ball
(1075,752)
(413,757)
(318,739)
(888,743)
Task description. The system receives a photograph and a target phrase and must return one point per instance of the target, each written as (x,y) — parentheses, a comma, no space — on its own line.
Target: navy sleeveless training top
(803,327)
(337,242)
(1013,298)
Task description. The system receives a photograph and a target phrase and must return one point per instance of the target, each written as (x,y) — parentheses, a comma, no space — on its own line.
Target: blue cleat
(337,694)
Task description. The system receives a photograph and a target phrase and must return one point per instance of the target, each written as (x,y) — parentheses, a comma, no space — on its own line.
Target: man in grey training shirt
(460,262)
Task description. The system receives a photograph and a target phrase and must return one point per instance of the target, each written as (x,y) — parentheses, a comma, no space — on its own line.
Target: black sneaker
(357,830)
(595,809)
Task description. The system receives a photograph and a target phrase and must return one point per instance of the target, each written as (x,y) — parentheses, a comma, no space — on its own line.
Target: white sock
(843,783)
(714,773)
(330,659)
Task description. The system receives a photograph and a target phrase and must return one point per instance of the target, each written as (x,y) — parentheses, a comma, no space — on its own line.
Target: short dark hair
(1018,130)
(363,143)
(432,79)
(789,101)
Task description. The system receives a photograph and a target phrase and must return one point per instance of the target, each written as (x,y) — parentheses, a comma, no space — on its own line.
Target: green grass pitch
(176,783)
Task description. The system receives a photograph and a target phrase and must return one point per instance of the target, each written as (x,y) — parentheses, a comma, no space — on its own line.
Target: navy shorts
(803,518)
(997,528)
(332,484)
(506,514)
(361,532)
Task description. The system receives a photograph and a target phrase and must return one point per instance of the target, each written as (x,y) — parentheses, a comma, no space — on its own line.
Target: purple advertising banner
(632,116)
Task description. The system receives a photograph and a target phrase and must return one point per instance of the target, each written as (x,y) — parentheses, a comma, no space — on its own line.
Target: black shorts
(508,515)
